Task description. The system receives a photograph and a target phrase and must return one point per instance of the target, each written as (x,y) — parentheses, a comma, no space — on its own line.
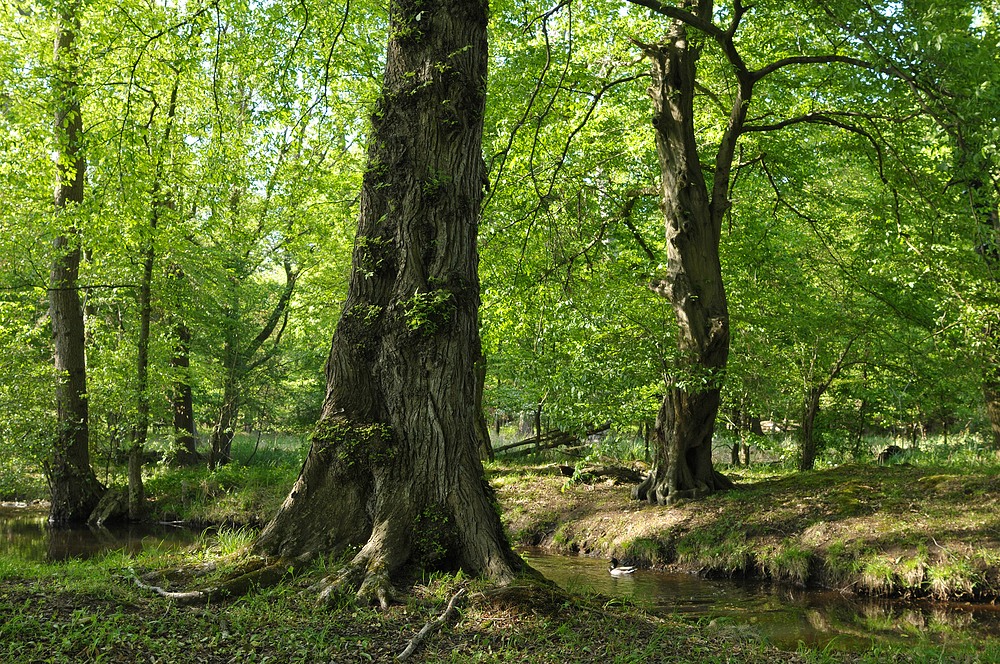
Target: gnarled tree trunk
(74,487)
(693,284)
(394,465)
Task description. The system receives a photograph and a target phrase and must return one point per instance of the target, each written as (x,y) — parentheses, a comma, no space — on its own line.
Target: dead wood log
(549,440)
(591,474)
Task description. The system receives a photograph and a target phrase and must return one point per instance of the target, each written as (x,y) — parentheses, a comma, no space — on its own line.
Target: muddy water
(785,617)
(26,535)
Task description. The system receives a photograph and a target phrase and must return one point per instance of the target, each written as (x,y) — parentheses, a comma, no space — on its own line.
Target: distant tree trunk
(183,451)
(538,426)
(991,395)
(394,465)
(239,361)
(693,285)
(755,430)
(808,432)
(811,402)
(160,204)
(224,430)
(136,492)
(75,490)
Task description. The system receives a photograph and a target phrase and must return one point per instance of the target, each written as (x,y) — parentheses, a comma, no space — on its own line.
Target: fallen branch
(591,474)
(548,440)
(429,627)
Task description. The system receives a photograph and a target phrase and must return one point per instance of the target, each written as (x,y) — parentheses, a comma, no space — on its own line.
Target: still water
(25,534)
(784,616)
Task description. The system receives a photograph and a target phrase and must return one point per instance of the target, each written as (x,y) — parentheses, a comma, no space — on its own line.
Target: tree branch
(688,18)
(814,59)
(429,627)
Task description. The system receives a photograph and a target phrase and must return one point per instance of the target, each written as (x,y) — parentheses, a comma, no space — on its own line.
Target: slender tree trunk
(74,487)
(224,430)
(136,492)
(183,451)
(394,465)
(538,427)
(160,204)
(693,285)
(808,432)
(991,395)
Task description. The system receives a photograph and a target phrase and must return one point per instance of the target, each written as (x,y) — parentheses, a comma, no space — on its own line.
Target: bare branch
(429,627)
(826,119)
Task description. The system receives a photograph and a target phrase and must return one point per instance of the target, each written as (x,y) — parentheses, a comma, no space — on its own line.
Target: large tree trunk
(693,284)
(394,465)
(74,487)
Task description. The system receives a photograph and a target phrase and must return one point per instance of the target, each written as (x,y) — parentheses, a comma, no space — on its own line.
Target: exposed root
(368,575)
(257,573)
(430,627)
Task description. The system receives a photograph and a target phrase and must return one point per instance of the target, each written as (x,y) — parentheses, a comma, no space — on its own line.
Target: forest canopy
(222,148)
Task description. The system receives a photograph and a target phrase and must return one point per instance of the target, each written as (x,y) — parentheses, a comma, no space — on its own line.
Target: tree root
(256,573)
(430,627)
(367,574)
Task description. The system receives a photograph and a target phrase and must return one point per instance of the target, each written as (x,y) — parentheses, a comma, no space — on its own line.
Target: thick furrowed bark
(683,469)
(394,467)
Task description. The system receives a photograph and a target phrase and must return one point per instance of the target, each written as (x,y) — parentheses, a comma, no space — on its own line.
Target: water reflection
(25,534)
(784,616)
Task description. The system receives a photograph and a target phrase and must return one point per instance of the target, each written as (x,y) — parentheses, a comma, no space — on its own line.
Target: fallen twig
(429,627)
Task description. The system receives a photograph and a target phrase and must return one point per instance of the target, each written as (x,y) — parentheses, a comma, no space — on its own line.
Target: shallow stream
(784,616)
(25,534)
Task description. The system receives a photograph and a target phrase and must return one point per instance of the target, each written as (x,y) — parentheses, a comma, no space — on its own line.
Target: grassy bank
(902,529)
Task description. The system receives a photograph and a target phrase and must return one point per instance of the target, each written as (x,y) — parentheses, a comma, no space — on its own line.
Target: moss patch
(352,445)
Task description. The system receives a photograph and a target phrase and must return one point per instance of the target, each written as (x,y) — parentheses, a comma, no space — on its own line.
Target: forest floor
(896,530)
(900,529)
(92,613)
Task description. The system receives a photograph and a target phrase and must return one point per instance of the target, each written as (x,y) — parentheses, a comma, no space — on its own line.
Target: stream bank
(887,531)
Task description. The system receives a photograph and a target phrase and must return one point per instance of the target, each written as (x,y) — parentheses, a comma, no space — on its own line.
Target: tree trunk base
(655,489)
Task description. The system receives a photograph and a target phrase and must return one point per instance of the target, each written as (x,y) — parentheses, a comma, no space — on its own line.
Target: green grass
(859,525)
(91,612)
